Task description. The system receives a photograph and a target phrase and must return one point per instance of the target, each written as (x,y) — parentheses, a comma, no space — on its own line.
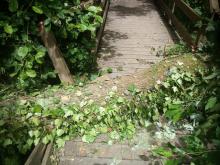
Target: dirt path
(144,79)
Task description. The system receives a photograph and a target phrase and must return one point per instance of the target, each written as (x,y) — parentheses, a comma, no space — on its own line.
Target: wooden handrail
(106,4)
(41,153)
(187,10)
(215,6)
(179,26)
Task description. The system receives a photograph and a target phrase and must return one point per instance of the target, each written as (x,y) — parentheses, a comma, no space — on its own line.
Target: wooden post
(56,56)
(99,34)
(172,10)
(214,6)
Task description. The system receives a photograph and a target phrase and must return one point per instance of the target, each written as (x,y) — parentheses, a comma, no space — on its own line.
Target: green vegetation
(184,97)
(193,99)
(27,117)
(24,58)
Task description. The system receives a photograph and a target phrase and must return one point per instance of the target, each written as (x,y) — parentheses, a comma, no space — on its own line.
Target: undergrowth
(184,97)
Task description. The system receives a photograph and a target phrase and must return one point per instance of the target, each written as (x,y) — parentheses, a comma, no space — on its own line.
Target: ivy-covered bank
(189,98)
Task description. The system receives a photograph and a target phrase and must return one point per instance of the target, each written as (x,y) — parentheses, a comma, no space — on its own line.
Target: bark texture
(56,56)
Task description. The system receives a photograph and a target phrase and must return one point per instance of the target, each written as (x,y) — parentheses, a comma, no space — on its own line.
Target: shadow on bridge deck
(134,32)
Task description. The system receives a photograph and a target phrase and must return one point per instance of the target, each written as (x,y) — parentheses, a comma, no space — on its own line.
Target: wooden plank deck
(133,29)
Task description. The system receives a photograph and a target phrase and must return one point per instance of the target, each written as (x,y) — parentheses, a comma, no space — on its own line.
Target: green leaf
(174,112)
(172,162)
(132,88)
(120,100)
(210,27)
(103,129)
(31,133)
(7,142)
(94,9)
(39,56)
(109,70)
(36,141)
(31,73)
(199,24)
(68,113)
(30,142)
(37,9)
(58,122)
(23,51)
(47,139)
(37,109)
(163,152)
(60,132)
(175,89)
(166,84)
(2,122)
(36,133)
(36,121)
(76,117)
(82,27)
(48,28)
(13,5)
(211,76)
(47,22)
(8,29)
(114,135)
(211,103)
(60,143)
(88,138)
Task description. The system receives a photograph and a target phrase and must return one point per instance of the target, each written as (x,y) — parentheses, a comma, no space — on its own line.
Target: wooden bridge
(133,34)
(134,38)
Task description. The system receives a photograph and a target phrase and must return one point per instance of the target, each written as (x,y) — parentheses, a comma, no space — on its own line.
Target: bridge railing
(170,7)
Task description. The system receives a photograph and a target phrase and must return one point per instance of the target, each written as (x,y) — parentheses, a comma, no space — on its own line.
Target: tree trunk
(56,56)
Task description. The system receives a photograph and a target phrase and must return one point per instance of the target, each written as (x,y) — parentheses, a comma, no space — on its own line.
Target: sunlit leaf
(23,51)
(31,73)
(211,103)
(60,143)
(163,152)
(8,29)
(37,9)
(88,138)
(60,132)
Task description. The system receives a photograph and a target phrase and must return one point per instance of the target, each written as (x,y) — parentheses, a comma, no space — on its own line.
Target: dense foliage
(193,99)
(28,122)
(23,55)
(210,23)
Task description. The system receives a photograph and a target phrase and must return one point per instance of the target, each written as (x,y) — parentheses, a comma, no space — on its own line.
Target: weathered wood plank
(36,155)
(132,27)
(40,155)
(46,159)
